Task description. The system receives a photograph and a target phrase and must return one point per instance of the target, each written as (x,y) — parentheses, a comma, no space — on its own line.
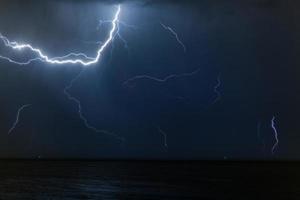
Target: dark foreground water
(148,180)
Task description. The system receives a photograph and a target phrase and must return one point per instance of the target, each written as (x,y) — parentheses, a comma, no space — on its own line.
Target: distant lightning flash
(18,117)
(273,126)
(78,58)
(164,134)
(217,86)
(161,80)
(82,117)
(172,31)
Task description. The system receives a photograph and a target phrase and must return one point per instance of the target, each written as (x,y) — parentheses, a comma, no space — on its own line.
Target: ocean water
(148,180)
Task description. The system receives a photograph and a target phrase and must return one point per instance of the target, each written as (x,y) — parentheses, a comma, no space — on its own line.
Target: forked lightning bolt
(18,117)
(78,58)
(71,58)
(173,32)
(82,117)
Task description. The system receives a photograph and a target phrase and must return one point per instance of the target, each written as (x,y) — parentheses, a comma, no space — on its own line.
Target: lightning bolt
(18,117)
(78,58)
(217,86)
(71,58)
(273,126)
(161,80)
(79,107)
(173,32)
(164,134)
(118,34)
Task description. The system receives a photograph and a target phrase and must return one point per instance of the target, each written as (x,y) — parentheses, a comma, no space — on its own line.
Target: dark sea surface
(148,180)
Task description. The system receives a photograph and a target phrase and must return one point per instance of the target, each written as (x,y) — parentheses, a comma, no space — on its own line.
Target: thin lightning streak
(82,117)
(161,80)
(18,117)
(74,55)
(19,63)
(217,86)
(91,42)
(113,45)
(64,59)
(173,32)
(273,126)
(123,40)
(118,34)
(101,22)
(164,134)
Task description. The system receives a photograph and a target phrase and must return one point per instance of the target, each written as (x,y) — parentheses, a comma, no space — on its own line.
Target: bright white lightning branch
(172,31)
(18,117)
(80,58)
(172,76)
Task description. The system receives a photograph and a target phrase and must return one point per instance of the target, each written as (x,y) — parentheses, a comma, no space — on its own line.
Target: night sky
(213,100)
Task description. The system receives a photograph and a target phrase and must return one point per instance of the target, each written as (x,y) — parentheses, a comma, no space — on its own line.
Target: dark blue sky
(250,47)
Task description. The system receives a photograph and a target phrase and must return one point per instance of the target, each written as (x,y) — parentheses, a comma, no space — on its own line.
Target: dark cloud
(266,3)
